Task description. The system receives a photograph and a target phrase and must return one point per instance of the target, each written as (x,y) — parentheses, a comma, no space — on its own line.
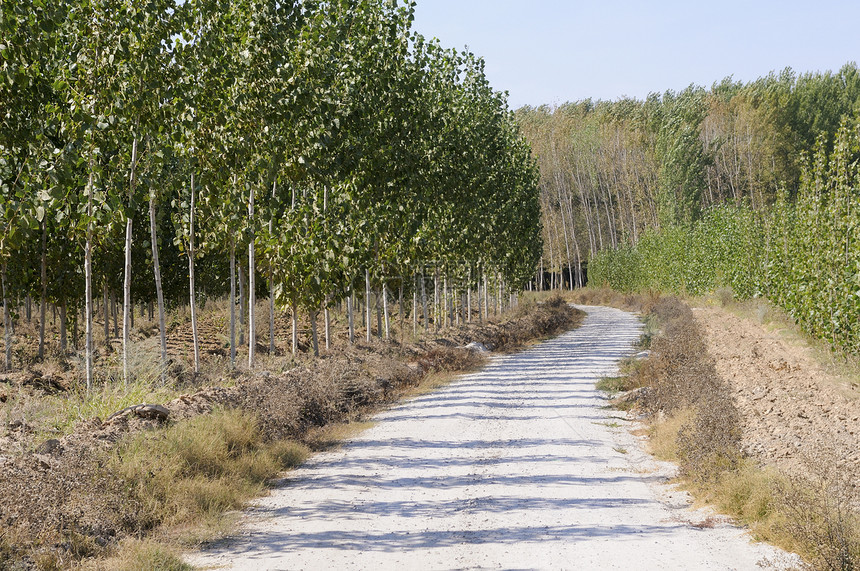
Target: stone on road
(519,466)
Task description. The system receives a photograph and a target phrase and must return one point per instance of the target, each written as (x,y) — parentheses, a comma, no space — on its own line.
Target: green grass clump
(613,384)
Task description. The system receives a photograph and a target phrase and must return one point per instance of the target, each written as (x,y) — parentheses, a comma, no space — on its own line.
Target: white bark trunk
(314,337)
(294,347)
(232,305)
(402,316)
(424,303)
(159,291)
(271,315)
(126,299)
(252,291)
(64,342)
(43,302)
(385,309)
(436,320)
(350,315)
(88,283)
(7,324)
(367,301)
(327,319)
(486,297)
(192,297)
(241,304)
(415,307)
(469,304)
(106,310)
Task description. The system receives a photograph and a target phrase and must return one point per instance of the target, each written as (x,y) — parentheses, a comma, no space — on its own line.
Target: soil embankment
(796,415)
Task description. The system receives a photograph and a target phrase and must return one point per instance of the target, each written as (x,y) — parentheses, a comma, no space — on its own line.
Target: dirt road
(518,466)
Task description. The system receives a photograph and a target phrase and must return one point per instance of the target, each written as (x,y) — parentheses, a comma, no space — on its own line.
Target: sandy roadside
(518,466)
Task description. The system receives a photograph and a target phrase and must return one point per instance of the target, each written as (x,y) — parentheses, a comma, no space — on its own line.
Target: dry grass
(663,434)
(140,555)
(695,422)
(199,468)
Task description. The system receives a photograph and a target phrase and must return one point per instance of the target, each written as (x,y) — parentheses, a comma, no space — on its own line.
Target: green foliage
(363,144)
(804,255)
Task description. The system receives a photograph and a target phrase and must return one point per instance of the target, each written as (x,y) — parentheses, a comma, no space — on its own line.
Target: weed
(726,296)
(197,468)
(138,555)
(821,515)
(663,433)
(613,384)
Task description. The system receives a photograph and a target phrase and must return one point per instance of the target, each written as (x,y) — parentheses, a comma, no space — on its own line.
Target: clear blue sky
(552,51)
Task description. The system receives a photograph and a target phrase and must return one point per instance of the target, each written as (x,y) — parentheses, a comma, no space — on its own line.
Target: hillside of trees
(307,151)
(752,186)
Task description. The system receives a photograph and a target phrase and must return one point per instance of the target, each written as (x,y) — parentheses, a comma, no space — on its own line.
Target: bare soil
(796,412)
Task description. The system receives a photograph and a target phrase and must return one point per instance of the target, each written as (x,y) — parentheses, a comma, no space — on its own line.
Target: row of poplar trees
(323,144)
(611,171)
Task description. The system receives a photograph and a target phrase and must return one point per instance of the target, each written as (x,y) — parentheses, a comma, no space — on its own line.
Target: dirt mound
(794,411)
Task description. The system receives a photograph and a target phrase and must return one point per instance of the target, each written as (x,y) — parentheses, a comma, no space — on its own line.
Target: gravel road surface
(518,466)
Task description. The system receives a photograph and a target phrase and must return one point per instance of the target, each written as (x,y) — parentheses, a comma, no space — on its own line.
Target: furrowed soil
(798,414)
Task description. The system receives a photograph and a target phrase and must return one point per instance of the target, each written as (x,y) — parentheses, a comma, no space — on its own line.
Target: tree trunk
(424,303)
(469,304)
(327,319)
(114,314)
(312,314)
(486,297)
(106,306)
(241,304)
(446,315)
(126,299)
(7,324)
(350,303)
(436,320)
(272,280)
(400,308)
(378,308)
(499,297)
(64,341)
(252,291)
(232,305)
(385,309)
(451,296)
(367,301)
(192,298)
(415,306)
(88,282)
(43,301)
(295,332)
(271,313)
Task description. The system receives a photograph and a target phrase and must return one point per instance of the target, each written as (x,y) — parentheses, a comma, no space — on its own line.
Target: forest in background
(752,186)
